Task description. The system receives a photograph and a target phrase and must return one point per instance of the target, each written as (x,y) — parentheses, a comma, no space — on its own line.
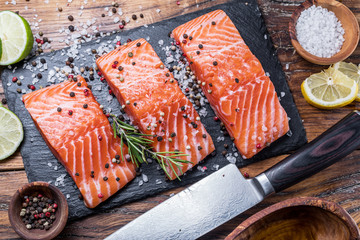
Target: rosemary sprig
(139,145)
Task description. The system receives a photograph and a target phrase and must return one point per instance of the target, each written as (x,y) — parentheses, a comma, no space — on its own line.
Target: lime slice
(11,132)
(329,89)
(16,36)
(352,71)
(0,48)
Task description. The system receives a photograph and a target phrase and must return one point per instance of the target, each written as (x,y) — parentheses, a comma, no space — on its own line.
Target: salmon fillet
(238,90)
(81,138)
(155,103)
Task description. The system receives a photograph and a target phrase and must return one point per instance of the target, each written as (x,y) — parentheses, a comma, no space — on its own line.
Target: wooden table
(338,183)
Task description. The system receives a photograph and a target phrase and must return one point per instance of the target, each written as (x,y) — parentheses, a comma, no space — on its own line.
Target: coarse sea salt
(319,32)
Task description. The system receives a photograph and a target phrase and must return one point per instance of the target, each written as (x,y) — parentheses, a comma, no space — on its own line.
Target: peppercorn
(159,138)
(185,35)
(70,112)
(45,39)
(117,179)
(113,10)
(134,17)
(201,46)
(106,165)
(4,101)
(77,174)
(138,44)
(236,80)
(141,15)
(190,38)
(105,178)
(39,75)
(133,63)
(213,23)
(71,18)
(33,63)
(72,94)
(103,15)
(130,54)
(215,63)
(197,52)
(59,109)
(224,152)
(71,28)
(42,60)
(199,148)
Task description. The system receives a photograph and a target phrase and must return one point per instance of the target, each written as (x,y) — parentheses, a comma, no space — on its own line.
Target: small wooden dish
(348,21)
(298,218)
(46,190)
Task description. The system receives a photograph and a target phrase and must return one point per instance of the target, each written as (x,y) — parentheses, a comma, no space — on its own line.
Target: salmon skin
(155,103)
(237,88)
(80,136)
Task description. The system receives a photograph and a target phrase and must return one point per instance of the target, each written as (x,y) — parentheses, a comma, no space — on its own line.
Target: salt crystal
(319,32)
(145,178)
(68,196)
(158,181)
(141,182)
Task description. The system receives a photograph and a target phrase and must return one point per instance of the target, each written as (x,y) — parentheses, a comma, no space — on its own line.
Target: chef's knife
(226,193)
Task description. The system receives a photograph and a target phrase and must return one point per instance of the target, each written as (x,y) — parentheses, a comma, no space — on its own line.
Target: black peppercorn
(71,18)
(71,28)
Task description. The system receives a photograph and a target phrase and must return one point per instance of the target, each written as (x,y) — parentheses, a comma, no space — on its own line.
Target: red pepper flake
(100,195)
(121,26)
(110,92)
(14,79)
(100,137)
(70,112)
(246,175)
(113,66)
(258,145)
(216,118)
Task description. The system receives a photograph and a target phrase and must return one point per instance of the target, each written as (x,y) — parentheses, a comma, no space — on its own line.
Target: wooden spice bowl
(298,218)
(348,21)
(46,190)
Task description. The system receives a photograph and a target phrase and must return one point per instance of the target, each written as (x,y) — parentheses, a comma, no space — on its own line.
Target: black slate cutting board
(41,165)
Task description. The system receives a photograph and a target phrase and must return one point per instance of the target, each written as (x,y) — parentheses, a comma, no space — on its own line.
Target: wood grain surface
(338,183)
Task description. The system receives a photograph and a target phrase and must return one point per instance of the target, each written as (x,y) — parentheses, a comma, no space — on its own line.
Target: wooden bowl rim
(341,55)
(328,206)
(55,229)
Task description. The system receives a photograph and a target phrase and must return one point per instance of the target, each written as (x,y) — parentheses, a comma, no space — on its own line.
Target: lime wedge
(0,49)
(11,132)
(16,36)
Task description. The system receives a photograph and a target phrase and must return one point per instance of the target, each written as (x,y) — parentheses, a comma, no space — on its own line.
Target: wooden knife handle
(328,148)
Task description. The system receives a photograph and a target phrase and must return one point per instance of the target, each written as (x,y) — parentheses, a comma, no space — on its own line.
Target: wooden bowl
(348,21)
(298,218)
(46,190)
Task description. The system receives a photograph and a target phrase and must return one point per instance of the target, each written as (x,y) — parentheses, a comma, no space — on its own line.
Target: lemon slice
(350,70)
(11,132)
(329,89)
(16,37)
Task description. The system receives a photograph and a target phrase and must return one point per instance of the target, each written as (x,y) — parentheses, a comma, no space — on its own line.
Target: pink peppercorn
(178,2)
(232,124)
(47,214)
(70,112)
(32,87)
(36,216)
(100,195)
(187,90)
(14,79)
(40,196)
(38,40)
(99,73)
(121,26)
(54,205)
(110,92)
(118,43)
(42,42)
(113,66)
(100,137)
(184,41)
(177,43)
(246,175)
(258,145)
(129,40)
(216,118)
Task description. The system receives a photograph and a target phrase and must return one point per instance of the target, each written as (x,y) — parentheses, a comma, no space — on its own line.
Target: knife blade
(225,194)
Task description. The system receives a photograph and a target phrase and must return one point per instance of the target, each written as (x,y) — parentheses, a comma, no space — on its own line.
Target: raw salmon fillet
(83,141)
(238,90)
(155,103)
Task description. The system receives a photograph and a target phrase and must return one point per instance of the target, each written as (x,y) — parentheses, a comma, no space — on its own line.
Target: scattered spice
(134,17)
(72,94)
(215,63)
(213,23)
(71,28)
(85,106)
(4,101)
(59,109)
(141,15)
(201,46)
(71,18)
(70,112)
(236,80)
(130,54)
